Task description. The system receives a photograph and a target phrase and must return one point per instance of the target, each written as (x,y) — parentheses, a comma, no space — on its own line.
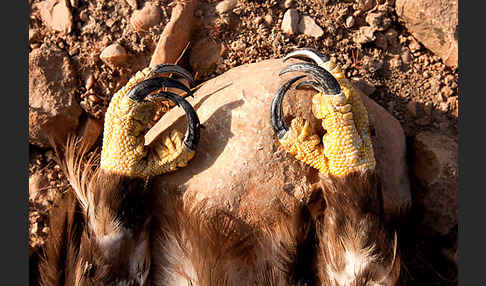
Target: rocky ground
(81,52)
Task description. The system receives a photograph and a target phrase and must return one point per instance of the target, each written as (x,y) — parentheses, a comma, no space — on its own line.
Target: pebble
(225,6)
(89,82)
(381,41)
(350,22)
(290,22)
(365,35)
(56,15)
(114,54)
(257,20)
(268,19)
(366,4)
(447,91)
(406,57)
(414,46)
(288,3)
(395,62)
(309,27)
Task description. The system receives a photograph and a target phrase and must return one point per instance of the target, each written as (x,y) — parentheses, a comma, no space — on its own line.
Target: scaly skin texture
(124,151)
(347,144)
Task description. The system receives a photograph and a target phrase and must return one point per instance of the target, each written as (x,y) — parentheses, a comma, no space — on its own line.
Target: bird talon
(346,147)
(126,121)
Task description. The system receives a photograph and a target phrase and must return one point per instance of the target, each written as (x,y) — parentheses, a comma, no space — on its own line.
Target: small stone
(366,4)
(365,35)
(395,62)
(378,21)
(257,21)
(225,6)
(268,19)
(56,15)
(114,54)
(74,3)
(350,22)
(288,3)
(381,41)
(199,13)
(406,57)
(150,15)
(447,91)
(414,46)
(309,27)
(290,22)
(83,16)
(89,82)
(449,79)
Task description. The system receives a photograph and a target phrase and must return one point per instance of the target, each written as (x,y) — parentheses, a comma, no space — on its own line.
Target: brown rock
(150,15)
(434,24)
(56,15)
(204,56)
(240,166)
(268,19)
(366,34)
(378,21)
(176,34)
(435,168)
(350,22)
(366,5)
(308,26)
(381,41)
(392,38)
(225,6)
(290,22)
(114,54)
(53,109)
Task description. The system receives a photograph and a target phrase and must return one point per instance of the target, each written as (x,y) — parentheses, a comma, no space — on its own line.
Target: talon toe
(308,53)
(322,77)
(171,68)
(142,90)
(278,124)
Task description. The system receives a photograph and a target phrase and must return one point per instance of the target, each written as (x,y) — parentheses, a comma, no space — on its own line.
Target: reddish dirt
(411,83)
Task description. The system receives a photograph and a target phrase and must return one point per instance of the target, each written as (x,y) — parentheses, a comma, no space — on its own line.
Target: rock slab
(434,23)
(435,168)
(240,165)
(53,110)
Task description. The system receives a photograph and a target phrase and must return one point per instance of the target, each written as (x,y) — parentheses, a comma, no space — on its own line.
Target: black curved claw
(324,79)
(310,83)
(308,53)
(191,139)
(140,91)
(171,68)
(278,124)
